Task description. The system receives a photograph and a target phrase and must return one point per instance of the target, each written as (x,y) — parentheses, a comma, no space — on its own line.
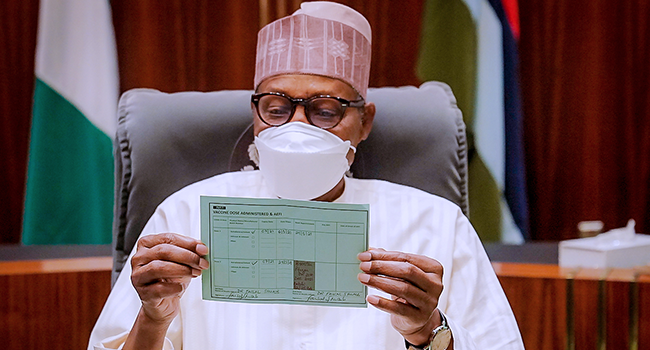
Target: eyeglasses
(323,111)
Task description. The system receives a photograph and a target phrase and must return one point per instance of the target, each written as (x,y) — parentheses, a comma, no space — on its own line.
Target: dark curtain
(17,48)
(585,68)
(197,45)
(584,71)
(185,45)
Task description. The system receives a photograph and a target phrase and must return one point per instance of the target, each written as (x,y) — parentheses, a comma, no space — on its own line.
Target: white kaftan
(401,219)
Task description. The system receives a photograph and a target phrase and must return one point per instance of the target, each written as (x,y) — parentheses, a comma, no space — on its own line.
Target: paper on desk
(283,251)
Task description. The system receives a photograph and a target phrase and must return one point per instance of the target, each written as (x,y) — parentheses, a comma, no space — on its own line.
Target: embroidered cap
(321,38)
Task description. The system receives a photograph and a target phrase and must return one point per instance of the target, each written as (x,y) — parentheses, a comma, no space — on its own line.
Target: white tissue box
(595,252)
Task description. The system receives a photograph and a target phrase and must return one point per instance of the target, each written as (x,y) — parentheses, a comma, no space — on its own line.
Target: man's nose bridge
(300,114)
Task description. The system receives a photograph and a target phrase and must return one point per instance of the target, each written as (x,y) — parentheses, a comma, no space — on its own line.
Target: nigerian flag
(69,194)
(471,45)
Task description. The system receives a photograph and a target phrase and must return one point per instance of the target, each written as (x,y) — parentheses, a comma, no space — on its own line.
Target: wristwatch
(440,337)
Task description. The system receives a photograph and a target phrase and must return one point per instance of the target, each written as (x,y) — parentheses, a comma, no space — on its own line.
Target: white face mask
(301,161)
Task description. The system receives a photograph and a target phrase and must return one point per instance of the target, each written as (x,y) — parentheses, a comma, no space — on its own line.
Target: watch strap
(444,327)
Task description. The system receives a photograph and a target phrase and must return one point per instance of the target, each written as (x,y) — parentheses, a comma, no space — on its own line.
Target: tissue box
(595,252)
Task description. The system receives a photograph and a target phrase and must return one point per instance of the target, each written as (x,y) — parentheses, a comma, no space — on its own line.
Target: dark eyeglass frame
(305,102)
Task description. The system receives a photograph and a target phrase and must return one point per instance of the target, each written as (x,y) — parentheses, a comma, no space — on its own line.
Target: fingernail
(196,272)
(365,266)
(201,249)
(364,277)
(365,256)
(204,264)
(373,299)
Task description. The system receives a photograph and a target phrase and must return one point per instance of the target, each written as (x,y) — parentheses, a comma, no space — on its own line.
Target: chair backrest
(167,141)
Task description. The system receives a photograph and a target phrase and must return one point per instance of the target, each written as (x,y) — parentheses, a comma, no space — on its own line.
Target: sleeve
(462,338)
(123,304)
(117,342)
(477,309)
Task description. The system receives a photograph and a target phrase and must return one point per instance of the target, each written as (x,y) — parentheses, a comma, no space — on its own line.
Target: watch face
(441,340)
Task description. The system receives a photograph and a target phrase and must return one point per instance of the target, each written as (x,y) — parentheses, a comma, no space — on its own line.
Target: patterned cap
(321,38)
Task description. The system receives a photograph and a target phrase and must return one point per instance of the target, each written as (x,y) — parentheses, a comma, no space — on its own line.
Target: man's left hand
(415,284)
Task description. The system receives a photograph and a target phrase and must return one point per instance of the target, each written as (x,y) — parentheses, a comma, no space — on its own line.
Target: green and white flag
(69,194)
(462,46)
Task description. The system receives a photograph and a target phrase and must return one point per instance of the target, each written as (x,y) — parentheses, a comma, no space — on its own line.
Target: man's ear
(367,118)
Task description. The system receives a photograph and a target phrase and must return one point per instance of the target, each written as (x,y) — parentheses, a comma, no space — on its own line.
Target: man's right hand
(162,268)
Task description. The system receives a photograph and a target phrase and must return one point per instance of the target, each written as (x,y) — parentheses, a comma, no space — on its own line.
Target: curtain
(586,89)
(18,45)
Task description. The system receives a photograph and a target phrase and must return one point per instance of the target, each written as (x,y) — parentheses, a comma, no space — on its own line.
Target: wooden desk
(54,304)
(51,304)
(560,308)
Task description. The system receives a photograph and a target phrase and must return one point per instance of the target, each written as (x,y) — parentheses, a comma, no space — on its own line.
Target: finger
(161,290)
(404,271)
(395,307)
(425,263)
(171,247)
(366,256)
(401,290)
(172,253)
(201,249)
(186,242)
(158,270)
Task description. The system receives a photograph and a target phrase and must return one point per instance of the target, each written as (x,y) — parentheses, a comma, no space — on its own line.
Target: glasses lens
(275,110)
(325,112)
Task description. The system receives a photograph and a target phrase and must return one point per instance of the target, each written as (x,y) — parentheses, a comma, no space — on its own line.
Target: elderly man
(309,110)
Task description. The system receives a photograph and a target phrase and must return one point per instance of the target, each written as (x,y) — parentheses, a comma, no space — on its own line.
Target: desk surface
(14,252)
(533,252)
(29,267)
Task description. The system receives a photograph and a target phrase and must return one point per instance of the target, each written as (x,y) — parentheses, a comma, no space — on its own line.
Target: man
(310,114)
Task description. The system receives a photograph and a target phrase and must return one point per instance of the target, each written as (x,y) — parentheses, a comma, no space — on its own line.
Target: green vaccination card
(283,251)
